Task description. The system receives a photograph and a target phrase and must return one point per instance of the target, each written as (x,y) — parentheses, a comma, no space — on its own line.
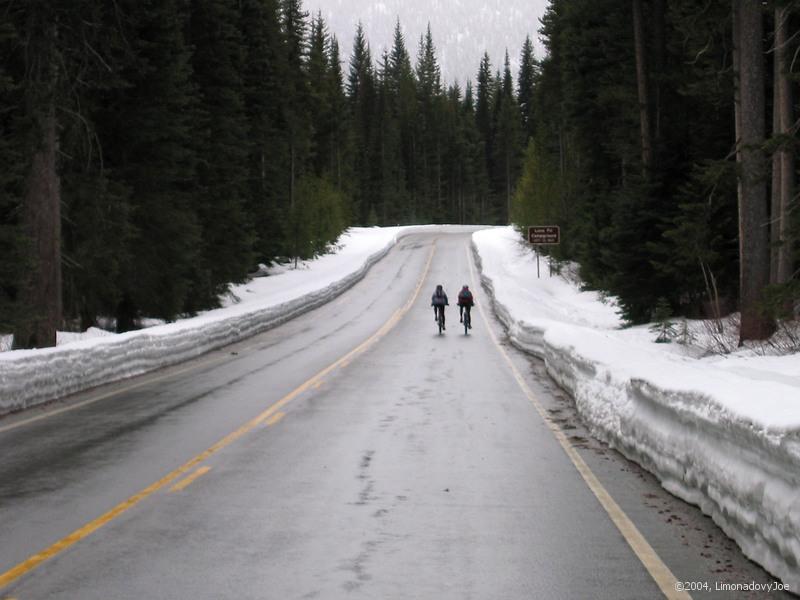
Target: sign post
(544,235)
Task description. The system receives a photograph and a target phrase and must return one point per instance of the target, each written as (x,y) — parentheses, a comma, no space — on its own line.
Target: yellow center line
(659,571)
(37,559)
(275,418)
(186,481)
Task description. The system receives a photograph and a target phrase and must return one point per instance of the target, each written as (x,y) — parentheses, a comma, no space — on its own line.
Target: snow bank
(29,377)
(721,434)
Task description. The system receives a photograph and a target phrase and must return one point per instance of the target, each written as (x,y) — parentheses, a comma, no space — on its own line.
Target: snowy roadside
(721,433)
(83,361)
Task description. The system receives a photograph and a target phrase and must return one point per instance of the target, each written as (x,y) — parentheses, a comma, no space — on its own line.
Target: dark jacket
(439,300)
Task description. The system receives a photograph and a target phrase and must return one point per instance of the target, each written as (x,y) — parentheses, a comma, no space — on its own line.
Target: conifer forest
(154,151)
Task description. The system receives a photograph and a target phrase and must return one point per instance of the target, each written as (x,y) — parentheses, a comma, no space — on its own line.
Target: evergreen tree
(526,82)
(361,93)
(404,94)
(38,55)
(56,73)
(698,249)
(319,214)
(453,155)
(475,180)
(319,95)
(507,143)
(296,107)
(429,164)
(536,199)
(152,152)
(95,204)
(483,112)
(263,73)
(220,126)
(390,177)
(341,153)
(13,251)
(483,120)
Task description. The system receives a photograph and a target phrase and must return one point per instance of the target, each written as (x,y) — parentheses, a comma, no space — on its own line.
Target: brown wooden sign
(545,235)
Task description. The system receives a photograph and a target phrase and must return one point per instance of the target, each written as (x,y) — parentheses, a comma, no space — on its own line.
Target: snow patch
(29,377)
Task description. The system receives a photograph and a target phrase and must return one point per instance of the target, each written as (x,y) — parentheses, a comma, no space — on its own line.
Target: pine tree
(526,82)
(536,199)
(429,165)
(507,142)
(361,93)
(64,62)
(475,178)
(45,73)
(296,108)
(152,153)
(320,209)
(14,255)
(96,209)
(263,73)
(220,126)
(341,153)
(483,120)
(319,94)
(404,95)
(390,176)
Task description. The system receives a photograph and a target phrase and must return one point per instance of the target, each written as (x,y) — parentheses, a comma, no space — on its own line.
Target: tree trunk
(775,192)
(41,210)
(659,43)
(508,187)
(641,82)
(126,315)
(783,108)
(753,215)
(291,175)
(737,98)
(42,218)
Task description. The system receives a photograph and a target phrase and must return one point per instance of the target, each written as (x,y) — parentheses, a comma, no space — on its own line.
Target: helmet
(439,288)
(466,287)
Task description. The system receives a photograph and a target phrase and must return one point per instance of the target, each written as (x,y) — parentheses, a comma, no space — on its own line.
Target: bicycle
(467,321)
(440,318)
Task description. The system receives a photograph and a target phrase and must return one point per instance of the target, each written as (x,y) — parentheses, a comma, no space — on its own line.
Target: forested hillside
(664,144)
(155,151)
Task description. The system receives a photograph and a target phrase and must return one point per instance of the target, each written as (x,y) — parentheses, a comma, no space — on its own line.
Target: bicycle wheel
(466,323)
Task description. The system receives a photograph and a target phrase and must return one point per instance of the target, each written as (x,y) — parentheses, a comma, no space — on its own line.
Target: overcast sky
(462,29)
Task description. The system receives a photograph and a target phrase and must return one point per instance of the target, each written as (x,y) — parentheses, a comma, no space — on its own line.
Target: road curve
(350,453)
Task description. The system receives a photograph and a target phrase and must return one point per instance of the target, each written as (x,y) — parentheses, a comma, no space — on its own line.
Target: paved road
(349,453)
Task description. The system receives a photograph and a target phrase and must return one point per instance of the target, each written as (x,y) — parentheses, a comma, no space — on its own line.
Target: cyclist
(438,302)
(465,301)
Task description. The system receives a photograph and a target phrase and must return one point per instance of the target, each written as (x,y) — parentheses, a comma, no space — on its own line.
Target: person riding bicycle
(465,301)
(438,302)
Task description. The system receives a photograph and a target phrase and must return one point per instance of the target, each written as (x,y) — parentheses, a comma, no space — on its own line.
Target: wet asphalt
(417,469)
